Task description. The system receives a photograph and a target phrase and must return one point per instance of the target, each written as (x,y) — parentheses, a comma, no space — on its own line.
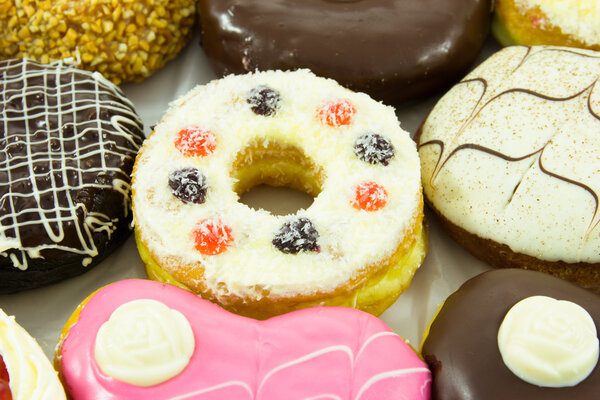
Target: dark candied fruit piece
(297,235)
(211,236)
(373,149)
(336,113)
(369,196)
(188,185)
(264,101)
(195,142)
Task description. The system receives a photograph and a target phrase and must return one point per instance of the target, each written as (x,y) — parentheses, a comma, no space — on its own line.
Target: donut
(25,372)
(145,339)
(466,351)
(68,140)
(358,244)
(391,49)
(572,23)
(510,161)
(125,41)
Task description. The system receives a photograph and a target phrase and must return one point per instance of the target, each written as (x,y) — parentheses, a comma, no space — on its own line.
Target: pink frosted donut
(169,343)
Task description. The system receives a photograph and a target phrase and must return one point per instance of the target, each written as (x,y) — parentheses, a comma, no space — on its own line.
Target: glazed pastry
(125,41)
(394,50)
(572,23)
(24,366)
(515,334)
(358,244)
(511,161)
(68,139)
(145,339)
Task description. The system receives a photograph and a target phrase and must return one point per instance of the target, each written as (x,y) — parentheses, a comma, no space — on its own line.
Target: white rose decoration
(144,343)
(548,342)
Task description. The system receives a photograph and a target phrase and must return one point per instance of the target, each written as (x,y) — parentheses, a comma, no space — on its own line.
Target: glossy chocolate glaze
(68,139)
(462,348)
(394,50)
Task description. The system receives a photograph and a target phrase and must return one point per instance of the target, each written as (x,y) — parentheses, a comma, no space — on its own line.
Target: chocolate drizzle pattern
(575,91)
(68,139)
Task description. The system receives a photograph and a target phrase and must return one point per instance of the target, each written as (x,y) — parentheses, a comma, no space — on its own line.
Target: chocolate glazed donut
(462,345)
(68,139)
(395,50)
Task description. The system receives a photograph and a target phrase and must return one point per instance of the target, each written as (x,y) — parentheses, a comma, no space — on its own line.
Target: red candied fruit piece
(336,113)
(369,196)
(212,236)
(195,142)
(4,379)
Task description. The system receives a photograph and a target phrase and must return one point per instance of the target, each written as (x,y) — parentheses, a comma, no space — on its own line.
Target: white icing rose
(548,342)
(144,343)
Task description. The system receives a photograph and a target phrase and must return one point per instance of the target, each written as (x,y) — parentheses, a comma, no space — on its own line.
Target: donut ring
(290,129)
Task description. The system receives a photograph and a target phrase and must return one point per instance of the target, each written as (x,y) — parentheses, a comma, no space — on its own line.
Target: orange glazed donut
(358,244)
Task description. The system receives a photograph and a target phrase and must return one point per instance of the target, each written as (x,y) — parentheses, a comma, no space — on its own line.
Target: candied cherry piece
(297,235)
(373,149)
(263,100)
(5,393)
(188,185)
(195,142)
(369,196)
(211,236)
(336,113)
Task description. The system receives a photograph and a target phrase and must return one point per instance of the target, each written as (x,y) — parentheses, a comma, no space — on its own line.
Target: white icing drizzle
(127,126)
(144,343)
(548,342)
(349,239)
(31,374)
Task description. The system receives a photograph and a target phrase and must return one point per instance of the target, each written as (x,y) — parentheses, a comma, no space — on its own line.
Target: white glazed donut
(291,129)
(511,161)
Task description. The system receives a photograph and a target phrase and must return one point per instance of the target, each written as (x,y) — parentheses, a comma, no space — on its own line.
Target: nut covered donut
(394,50)
(358,244)
(511,161)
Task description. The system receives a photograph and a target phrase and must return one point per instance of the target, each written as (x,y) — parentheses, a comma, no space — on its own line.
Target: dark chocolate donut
(462,346)
(394,50)
(68,139)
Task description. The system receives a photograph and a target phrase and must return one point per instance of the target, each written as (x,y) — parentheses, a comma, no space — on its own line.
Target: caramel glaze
(462,348)
(394,50)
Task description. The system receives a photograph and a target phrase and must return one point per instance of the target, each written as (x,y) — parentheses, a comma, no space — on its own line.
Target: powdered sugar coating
(163,223)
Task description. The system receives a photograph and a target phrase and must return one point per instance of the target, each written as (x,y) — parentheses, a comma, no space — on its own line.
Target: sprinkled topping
(373,148)
(188,185)
(369,196)
(297,235)
(212,236)
(336,113)
(195,142)
(264,101)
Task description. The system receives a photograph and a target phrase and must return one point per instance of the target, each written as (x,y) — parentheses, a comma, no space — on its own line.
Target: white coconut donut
(280,128)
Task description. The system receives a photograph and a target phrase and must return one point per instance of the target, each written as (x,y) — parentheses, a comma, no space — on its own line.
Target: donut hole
(276,177)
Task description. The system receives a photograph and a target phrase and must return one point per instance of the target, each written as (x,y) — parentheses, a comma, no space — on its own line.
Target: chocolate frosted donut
(462,345)
(392,49)
(68,139)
